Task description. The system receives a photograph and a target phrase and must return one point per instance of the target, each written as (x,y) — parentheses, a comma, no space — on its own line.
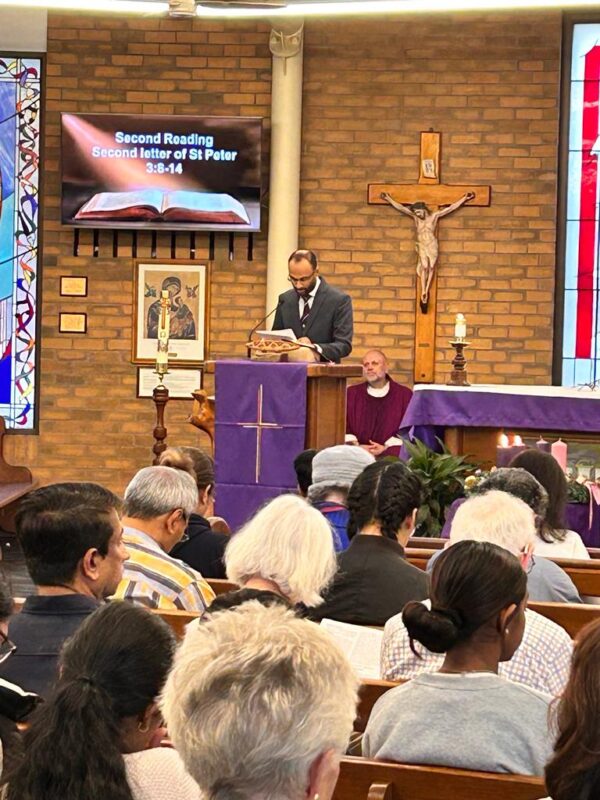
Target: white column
(286,135)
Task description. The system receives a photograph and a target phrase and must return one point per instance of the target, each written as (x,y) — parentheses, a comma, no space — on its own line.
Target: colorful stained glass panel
(20,101)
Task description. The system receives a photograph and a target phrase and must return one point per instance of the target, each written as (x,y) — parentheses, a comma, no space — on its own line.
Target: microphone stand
(258,324)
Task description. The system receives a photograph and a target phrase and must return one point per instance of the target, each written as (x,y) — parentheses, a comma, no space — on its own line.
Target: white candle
(460,327)
(164,326)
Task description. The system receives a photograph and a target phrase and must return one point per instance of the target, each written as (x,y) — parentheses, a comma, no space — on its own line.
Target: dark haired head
(192,460)
(112,670)
(303,467)
(573,773)
(385,492)
(546,469)
(307,255)
(471,583)
(520,483)
(58,524)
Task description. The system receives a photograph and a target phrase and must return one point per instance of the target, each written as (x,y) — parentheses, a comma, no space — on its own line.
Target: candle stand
(160,395)
(458,376)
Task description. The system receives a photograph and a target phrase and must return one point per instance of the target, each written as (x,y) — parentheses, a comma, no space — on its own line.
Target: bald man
(375,408)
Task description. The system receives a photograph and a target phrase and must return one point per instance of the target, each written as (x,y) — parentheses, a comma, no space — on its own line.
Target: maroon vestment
(376,419)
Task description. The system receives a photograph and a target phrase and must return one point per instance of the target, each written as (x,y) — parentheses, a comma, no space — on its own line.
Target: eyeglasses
(303,280)
(7,648)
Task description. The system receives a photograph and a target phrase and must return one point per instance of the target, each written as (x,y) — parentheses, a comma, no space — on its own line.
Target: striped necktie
(305,313)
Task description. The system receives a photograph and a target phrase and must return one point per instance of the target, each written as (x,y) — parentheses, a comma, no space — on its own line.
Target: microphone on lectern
(258,324)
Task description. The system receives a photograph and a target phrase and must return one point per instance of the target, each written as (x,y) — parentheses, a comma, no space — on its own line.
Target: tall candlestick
(559,451)
(460,327)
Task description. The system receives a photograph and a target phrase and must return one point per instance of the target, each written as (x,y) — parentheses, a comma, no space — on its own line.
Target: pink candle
(559,451)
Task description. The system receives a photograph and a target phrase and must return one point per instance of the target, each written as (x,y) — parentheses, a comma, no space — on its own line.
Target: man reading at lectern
(316,312)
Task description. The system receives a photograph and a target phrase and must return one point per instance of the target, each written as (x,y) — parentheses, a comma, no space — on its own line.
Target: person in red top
(375,408)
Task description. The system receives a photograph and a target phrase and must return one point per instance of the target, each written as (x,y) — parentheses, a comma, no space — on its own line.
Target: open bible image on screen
(161,172)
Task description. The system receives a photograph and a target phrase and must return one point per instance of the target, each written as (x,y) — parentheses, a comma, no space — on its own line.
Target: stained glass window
(20,86)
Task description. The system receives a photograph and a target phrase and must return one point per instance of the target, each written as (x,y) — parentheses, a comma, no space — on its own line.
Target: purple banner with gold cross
(259,430)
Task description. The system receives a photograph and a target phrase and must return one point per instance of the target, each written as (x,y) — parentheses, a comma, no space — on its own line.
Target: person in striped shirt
(158,504)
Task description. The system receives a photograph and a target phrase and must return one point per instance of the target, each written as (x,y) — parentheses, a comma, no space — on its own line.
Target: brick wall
(488,83)
(92,427)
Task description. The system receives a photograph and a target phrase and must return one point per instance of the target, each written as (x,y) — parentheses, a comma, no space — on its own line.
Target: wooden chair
(15,483)
(363,779)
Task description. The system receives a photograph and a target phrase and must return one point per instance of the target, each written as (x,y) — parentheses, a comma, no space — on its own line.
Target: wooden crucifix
(417,200)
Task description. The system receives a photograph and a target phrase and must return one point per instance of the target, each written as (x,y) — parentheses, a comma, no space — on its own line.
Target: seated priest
(375,408)
(318,313)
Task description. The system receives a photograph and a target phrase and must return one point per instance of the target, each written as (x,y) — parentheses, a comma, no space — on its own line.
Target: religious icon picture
(187,285)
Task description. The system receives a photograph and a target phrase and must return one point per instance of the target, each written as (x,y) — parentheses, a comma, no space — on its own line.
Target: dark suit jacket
(329,323)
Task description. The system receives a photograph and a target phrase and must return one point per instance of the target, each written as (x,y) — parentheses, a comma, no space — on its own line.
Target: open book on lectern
(156,204)
(284,335)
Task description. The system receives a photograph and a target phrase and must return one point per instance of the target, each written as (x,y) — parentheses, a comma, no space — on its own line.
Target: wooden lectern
(325,402)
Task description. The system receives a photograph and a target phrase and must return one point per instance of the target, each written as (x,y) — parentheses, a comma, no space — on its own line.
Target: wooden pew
(221,586)
(363,779)
(584,574)
(369,693)
(15,483)
(177,620)
(570,616)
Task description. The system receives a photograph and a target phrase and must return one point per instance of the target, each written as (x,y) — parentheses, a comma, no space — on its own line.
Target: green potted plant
(443,478)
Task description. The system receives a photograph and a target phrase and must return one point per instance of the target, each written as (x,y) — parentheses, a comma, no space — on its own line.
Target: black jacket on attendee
(39,633)
(373,583)
(202,548)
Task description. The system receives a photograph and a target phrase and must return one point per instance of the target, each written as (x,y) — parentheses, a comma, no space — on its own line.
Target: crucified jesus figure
(427,244)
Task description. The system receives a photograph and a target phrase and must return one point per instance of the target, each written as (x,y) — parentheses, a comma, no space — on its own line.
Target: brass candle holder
(458,376)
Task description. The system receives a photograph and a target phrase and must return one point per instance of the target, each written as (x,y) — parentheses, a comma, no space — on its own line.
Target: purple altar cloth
(577,517)
(259,429)
(512,407)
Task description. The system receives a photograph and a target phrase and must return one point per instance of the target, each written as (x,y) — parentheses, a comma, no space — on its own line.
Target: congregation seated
(97,735)
(201,547)
(260,704)
(491,514)
(71,537)
(466,715)
(375,408)
(573,772)
(333,472)
(157,506)
(374,580)
(303,470)
(283,554)
(553,540)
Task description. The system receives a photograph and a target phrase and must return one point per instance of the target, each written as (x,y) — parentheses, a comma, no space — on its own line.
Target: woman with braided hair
(466,716)
(374,580)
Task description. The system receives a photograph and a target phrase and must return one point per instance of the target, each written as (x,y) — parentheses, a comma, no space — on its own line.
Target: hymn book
(362,646)
(156,204)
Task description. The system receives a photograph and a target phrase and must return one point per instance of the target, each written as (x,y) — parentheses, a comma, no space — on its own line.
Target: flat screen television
(161,172)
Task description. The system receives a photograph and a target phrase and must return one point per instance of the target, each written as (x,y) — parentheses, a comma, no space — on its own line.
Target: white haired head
(287,542)
(495,517)
(257,697)
(154,491)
